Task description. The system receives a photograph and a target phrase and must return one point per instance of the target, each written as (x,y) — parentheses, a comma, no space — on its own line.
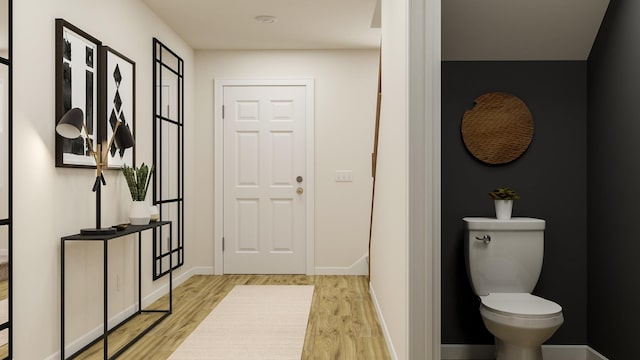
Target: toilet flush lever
(485,239)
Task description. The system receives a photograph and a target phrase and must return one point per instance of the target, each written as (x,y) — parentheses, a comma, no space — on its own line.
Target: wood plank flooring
(4,293)
(4,289)
(342,323)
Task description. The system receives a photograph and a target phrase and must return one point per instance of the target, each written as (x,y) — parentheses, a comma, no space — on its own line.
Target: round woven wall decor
(498,129)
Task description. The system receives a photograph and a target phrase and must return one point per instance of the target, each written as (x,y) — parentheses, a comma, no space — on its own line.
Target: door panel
(248,225)
(264,152)
(282,158)
(248,159)
(282,220)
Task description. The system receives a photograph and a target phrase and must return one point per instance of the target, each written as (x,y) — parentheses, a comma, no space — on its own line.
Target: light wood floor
(342,323)
(4,289)
(4,293)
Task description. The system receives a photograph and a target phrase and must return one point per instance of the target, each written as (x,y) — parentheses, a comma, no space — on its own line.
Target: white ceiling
(471,29)
(301,24)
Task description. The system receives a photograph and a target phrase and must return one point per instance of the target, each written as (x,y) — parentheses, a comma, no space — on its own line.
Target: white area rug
(252,322)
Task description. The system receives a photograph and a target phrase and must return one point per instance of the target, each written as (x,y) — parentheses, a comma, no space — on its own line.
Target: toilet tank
(511,261)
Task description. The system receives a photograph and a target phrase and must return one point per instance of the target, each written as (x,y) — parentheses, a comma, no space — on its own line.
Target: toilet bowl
(520,323)
(504,260)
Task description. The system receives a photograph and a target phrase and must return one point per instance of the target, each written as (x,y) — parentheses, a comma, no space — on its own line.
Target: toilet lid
(520,304)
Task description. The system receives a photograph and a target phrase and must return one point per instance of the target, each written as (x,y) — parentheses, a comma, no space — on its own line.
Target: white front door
(264,179)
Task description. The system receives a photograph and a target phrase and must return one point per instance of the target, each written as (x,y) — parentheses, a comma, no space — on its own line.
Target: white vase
(503,209)
(139,213)
(154,215)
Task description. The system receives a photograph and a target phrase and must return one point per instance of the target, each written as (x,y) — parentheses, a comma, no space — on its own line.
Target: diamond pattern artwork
(117,112)
(124,123)
(117,101)
(113,119)
(120,98)
(117,76)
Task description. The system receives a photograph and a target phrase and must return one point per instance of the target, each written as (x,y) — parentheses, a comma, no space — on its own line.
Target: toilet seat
(520,305)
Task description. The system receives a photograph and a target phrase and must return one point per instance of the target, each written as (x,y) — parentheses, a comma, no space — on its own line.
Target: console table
(129,230)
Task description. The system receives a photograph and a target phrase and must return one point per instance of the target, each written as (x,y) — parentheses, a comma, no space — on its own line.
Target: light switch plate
(344,175)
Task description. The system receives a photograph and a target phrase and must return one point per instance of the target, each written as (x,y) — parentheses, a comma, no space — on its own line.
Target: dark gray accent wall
(614,183)
(551,178)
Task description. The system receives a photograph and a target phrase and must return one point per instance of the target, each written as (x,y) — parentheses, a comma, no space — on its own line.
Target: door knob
(299,191)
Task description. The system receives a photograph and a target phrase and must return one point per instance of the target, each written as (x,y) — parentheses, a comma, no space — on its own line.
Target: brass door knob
(299,190)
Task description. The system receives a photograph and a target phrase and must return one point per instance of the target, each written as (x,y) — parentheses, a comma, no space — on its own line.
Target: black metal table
(131,229)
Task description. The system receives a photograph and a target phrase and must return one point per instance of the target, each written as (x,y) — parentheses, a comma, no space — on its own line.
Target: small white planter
(139,213)
(154,215)
(503,209)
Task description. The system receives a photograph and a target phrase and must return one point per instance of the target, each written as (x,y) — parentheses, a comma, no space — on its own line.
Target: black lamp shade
(70,126)
(123,137)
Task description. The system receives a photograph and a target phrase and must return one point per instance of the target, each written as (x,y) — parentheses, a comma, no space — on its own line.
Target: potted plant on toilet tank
(503,200)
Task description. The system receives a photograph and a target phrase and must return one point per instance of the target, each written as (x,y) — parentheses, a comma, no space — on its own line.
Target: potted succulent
(503,200)
(138,180)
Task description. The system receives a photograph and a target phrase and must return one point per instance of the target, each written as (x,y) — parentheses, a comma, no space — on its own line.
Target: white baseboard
(360,267)
(594,355)
(383,324)
(565,352)
(202,270)
(177,280)
(550,352)
(85,339)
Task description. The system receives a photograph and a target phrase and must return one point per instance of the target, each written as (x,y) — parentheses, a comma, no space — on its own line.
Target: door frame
(218,156)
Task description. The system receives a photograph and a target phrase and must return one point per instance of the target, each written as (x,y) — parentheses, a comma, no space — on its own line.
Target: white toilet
(504,259)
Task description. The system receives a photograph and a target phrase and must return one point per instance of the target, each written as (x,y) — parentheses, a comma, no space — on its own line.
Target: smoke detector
(266,19)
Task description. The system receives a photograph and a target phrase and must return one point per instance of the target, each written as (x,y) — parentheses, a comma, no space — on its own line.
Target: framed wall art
(77,71)
(119,78)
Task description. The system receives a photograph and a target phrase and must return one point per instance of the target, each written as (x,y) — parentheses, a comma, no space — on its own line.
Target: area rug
(252,322)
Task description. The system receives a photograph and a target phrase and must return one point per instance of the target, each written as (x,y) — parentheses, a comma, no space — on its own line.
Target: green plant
(138,180)
(504,193)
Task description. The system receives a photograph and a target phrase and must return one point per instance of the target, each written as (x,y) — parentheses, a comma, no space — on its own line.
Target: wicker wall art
(498,129)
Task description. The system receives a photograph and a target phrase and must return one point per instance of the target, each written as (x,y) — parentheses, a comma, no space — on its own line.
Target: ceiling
(300,24)
(471,29)
(520,29)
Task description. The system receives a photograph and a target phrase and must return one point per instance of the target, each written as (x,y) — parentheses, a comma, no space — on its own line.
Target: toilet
(504,259)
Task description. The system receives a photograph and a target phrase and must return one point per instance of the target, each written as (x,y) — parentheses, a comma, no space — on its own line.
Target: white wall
(51,202)
(424,179)
(389,258)
(405,259)
(345,103)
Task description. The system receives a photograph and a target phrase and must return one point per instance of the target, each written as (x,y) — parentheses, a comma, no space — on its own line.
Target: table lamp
(71,126)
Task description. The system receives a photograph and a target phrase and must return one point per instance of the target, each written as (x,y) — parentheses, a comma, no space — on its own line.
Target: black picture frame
(118,83)
(77,85)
